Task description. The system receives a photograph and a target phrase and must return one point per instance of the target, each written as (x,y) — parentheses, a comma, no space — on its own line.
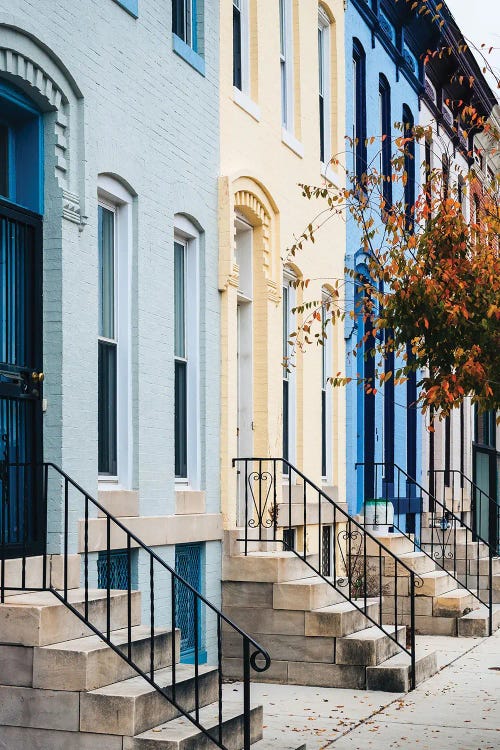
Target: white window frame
(286,65)
(324,28)
(288,279)
(113,196)
(186,234)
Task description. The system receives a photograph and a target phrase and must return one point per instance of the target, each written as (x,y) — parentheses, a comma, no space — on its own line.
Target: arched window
(359,107)
(409,165)
(114,332)
(384,95)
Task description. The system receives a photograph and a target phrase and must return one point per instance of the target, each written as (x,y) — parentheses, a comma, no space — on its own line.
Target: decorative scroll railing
(356,563)
(433,527)
(79,511)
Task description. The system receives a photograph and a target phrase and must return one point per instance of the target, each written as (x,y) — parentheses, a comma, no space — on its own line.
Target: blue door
(188,614)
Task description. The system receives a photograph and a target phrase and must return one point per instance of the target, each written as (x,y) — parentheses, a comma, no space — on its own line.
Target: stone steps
(88,663)
(339,620)
(454,603)
(272,567)
(305,594)
(133,706)
(435,583)
(181,734)
(369,647)
(394,674)
(40,619)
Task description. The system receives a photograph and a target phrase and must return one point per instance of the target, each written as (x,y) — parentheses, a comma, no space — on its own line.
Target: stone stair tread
(435,574)
(457,593)
(90,643)
(343,607)
(374,633)
(265,553)
(40,599)
(136,686)
(480,613)
(312,581)
(402,659)
(182,729)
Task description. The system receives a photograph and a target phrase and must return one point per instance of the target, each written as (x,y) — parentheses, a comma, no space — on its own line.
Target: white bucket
(379,515)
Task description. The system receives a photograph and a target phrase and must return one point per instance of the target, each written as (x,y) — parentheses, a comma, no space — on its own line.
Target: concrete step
(284,647)
(39,619)
(33,572)
(234,543)
(484,566)
(272,567)
(476,623)
(339,620)
(469,552)
(134,706)
(305,594)
(398,544)
(453,535)
(88,663)
(417,561)
(435,583)
(181,734)
(454,603)
(495,595)
(394,674)
(315,674)
(370,646)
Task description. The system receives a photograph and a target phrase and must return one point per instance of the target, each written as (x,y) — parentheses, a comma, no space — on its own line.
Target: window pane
(107,442)
(4,160)
(285,322)
(282,28)
(285,422)
(237,46)
(179,300)
(180,419)
(179,18)
(106,273)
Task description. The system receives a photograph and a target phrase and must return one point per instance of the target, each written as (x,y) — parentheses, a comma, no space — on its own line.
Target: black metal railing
(456,490)
(358,566)
(80,513)
(436,530)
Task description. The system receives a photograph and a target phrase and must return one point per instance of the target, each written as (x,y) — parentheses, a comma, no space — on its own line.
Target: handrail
(492,514)
(260,515)
(251,650)
(444,526)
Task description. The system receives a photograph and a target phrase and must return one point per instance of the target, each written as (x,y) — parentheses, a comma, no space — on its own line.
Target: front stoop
(313,635)
(442,605)
(62,687)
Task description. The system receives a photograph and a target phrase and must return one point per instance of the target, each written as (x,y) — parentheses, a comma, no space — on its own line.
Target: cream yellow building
(282,64)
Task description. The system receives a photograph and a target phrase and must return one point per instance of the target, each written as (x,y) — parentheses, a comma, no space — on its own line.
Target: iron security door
(22,517)
(188,615)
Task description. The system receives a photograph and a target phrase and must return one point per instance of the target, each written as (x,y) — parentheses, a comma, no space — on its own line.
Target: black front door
(22,515)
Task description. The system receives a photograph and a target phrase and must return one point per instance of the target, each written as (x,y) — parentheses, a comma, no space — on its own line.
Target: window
(185,21)
(286,64)
(186,355)
(326,395)
(108,344)
(114,330)
(409,165)
(4,160)
(385,148)
(241,45)
(359,109)
(324,416)
(324,85)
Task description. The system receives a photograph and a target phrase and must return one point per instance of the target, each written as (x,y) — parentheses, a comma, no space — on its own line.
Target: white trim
(293,144)
(247,104)
(329,173)
(186,234)
(113,196)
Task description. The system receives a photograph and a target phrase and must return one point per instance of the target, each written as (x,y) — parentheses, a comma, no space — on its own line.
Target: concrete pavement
(457,709)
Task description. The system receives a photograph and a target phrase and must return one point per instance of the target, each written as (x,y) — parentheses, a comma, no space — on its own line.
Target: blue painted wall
(363,439)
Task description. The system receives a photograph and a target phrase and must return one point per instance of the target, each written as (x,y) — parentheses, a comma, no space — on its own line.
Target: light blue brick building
(109,137)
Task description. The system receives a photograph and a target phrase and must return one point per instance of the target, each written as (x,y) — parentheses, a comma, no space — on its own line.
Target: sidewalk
(457,709)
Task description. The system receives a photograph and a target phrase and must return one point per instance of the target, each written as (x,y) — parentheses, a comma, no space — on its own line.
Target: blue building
(384,74)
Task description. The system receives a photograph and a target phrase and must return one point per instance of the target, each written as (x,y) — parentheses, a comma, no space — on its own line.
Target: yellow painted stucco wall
(259,181)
